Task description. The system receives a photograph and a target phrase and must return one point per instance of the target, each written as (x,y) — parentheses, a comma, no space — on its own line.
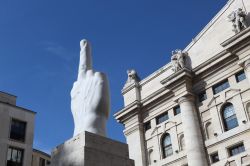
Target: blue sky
(39,50)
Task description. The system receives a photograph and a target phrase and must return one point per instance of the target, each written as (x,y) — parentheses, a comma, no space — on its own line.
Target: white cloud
(58,50)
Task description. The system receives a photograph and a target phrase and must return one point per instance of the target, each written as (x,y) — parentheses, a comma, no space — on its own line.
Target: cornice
(129,87)
(177,76)
(211,62)
(156,96)
(228,135)
(234,40)
(156,74)
(128,111)
(215,65)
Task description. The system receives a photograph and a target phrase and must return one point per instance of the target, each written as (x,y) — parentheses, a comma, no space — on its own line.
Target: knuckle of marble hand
(90,73)
(100,75)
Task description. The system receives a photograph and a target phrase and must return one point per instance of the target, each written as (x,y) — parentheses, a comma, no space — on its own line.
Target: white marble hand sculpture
(90,99)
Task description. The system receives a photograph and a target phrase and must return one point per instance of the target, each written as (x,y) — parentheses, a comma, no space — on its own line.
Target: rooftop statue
(132,76)
(238,18)
(90,98)
(178,60)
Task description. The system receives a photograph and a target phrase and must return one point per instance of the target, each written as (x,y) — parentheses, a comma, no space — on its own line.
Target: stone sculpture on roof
(178,60)
(238,18)
(132,76)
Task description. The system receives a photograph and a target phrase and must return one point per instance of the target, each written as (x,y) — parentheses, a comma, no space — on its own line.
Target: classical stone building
(16,132)
(195,110)
(40,158)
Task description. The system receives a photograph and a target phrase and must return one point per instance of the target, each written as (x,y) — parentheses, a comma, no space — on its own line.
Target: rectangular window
(42,162)
(214,157)
(177,110)
(234,150)
(14,157)
(147,126)
(240,76)
(202,96)
(18,129)
(221,86)
(161,118)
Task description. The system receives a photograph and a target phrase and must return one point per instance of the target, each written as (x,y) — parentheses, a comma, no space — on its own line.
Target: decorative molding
(155,129)
(210,102)
(176,76)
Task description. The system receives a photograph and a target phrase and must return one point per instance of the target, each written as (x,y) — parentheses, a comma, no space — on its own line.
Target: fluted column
(192,133)
(247,69)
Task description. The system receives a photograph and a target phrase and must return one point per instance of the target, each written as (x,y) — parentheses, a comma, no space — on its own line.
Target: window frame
(177,108)
(42,161)
(238,74)
(161,116)
(147,126)
(226,120)
(18,150)
(25,130)
(167,147)
(238,145)
(213,155)
(220,84)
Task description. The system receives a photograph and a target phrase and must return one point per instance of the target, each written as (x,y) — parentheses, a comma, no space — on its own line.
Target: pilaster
(130,116)
(180,84)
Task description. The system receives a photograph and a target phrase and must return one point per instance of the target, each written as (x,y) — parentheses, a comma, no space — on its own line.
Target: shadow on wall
(188,62)
(248,19)
(202,86)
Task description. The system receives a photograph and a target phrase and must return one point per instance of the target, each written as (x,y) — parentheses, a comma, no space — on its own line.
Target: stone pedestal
(87,149)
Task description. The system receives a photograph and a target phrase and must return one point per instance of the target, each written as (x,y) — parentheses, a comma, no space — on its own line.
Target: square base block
(87,149)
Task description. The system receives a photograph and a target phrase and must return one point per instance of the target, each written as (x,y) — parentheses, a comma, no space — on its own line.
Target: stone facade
(16,132)
(40,158)
(197,115)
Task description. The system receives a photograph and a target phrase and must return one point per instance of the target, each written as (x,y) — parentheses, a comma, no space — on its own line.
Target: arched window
(166,146)
(229,117)
(182,142)
(209,130)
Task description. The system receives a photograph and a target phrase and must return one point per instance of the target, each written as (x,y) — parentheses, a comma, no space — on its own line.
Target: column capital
(186,98)
(179,83)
